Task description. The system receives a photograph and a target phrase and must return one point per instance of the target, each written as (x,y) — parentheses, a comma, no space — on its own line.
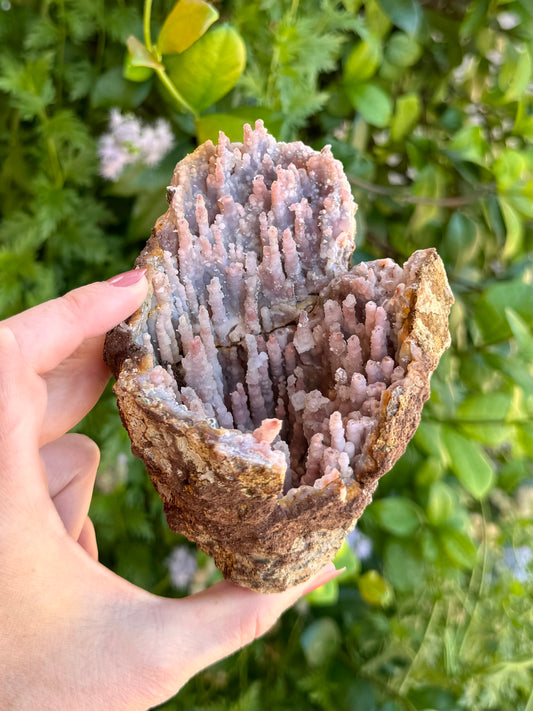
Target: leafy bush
(427,105)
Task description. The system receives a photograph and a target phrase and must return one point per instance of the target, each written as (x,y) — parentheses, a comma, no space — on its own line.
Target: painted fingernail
(322,579)
(127,278)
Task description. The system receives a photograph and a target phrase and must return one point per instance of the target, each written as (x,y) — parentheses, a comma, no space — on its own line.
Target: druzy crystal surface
(266,385)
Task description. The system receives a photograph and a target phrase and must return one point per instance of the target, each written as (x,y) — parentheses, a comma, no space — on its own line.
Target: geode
(265,384)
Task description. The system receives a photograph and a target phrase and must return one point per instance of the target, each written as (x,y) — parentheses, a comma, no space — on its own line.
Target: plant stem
(147,14)
(161,73)
(529,705)
(55,165)
(400,196)
(163,76)
(482,575)
(404,686)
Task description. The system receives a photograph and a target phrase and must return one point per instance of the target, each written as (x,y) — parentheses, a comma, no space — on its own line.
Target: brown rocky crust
(265,434)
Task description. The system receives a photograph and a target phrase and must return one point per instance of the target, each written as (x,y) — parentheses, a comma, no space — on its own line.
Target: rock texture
(267,386)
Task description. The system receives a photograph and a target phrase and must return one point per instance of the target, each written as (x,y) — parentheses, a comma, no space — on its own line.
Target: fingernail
(322,578)
(127,278)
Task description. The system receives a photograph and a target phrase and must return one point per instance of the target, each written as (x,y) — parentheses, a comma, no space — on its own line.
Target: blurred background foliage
(428,105)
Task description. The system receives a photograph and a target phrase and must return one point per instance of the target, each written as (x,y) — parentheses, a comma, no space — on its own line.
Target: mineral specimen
(266,385)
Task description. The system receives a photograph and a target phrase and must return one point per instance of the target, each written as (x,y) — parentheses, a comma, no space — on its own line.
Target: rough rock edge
(232,508)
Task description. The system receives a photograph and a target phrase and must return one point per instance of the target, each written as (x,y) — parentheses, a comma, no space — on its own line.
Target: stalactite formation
(259,377)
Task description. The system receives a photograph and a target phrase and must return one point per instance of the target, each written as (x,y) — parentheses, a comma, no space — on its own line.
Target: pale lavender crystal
(241,317)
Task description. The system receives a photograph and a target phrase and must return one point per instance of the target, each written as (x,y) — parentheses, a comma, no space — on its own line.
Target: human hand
(73,635)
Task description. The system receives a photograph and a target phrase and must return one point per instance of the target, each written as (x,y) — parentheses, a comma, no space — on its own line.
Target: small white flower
(341,132)
(396,178)
(155,141)
(461,72)
(476,120)
(394,159)
(113,157)
(360,544)
(381,137)
(182,566)
(495,57)
(508,20)
(128,141)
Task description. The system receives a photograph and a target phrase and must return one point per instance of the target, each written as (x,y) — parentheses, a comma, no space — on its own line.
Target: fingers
(197,631)
(83,373)
(50,332)
(22,407)
(87,539)
(71,463)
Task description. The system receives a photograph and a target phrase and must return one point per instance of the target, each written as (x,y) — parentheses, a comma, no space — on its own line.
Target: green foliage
(208,69)
(186,23)
(426,104)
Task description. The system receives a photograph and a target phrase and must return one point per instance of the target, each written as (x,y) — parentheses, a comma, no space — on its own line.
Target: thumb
(61,325)
(197,631)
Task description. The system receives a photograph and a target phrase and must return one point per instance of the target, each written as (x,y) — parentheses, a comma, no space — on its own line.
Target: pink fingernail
(322,580)
(127,278)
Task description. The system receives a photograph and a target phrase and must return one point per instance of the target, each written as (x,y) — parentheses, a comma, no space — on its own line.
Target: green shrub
(427,105)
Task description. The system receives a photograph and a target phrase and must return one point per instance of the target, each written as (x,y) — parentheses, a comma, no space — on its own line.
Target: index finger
(51,332)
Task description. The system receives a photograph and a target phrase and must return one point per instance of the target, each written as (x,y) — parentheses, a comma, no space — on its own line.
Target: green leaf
(29,84)
(459,548)
(490,308)
(406,115)
(208,126)
(510,168)
(346,558)
(187,22)
(405,14)
(375,589)
(431,470)
(429,545)
(469,144)
(325,595)
(485,406)
(362,62)
(135,73)
(402,50)
(441,503)
(461,241)
(376,19)
(475,17)
(210,68)
(469,463)
(523,123)
(429,183)
(428,438)
(403,567)
(112,89)
(514,473)
(140,56)
(515,74)
(398,515)
(320,641)
(522,333)
(514,229)
(374,104)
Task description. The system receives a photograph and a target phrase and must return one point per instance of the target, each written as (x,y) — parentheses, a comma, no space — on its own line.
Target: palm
(72,634)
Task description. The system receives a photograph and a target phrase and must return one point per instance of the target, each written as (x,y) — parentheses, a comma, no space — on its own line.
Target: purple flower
(360,544)
(182,566)
(129,141)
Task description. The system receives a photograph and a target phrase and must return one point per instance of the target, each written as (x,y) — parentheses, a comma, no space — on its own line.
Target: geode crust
(266,385)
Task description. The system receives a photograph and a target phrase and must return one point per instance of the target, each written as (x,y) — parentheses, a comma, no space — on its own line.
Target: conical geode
(265,384)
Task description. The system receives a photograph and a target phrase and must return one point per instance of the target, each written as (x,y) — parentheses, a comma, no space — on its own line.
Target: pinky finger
(87,538)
